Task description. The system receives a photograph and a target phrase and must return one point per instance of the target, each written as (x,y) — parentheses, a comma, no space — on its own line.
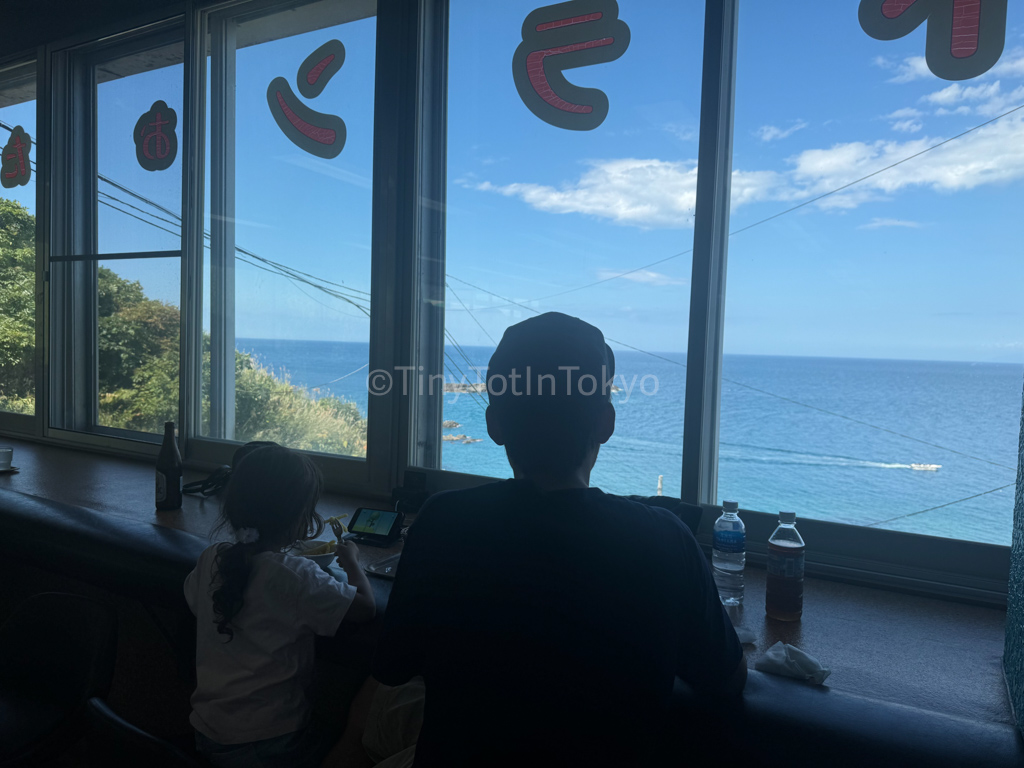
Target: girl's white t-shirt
(255,686)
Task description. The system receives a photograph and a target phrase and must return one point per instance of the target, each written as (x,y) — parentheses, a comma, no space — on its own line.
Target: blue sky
(921,262)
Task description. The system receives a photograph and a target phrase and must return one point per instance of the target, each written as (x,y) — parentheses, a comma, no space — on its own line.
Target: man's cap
(557,344)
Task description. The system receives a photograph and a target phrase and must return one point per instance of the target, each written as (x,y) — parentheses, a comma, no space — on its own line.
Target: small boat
(926,467)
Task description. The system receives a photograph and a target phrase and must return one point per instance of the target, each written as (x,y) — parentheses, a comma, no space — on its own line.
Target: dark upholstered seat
(56,651)
(112,740)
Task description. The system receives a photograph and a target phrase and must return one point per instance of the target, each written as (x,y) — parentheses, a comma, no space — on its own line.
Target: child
(257,612)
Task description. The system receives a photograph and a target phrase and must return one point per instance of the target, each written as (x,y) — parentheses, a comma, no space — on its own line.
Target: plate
(8,471)
(322,560)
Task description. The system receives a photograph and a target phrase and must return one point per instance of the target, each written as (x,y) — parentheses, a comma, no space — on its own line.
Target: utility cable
(940,506)
(449,287)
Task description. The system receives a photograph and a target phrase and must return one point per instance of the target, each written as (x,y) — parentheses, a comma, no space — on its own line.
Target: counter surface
(931,654)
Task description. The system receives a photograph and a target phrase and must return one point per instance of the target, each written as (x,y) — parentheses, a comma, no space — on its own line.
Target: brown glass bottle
(784,590)
(168,472)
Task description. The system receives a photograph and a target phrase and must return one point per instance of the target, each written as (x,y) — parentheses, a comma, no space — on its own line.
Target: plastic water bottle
(784,588)
(729,555)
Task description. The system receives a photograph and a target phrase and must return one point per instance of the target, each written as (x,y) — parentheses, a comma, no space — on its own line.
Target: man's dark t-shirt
(546,620)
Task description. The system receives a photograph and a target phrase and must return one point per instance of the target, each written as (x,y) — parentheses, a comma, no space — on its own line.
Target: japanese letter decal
(319,134)
(559,37)
(156,143)
(965,38)
(15,166)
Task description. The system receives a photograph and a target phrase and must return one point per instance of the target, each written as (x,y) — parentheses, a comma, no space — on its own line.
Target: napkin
(790,661)
(745,635)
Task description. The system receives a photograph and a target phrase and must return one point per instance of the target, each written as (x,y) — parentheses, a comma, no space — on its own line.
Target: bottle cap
(787,517)
(730,506)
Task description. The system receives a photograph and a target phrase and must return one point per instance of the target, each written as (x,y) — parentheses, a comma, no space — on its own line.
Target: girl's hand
(348,555)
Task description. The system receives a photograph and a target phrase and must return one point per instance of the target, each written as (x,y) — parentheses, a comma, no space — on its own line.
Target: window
(17,239)
(545,217)
(378,190)
(290,180)
(116,237)
(873,334)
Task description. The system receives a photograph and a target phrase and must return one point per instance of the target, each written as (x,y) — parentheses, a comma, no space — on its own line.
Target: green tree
(17,307)
(138,361)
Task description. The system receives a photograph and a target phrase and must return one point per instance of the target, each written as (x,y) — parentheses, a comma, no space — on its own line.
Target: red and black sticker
(15,165)
(319,67)
(560,37)
(964,39)
(156,143)
(315,132)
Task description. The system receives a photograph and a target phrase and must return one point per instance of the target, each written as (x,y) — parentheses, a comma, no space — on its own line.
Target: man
(549,619)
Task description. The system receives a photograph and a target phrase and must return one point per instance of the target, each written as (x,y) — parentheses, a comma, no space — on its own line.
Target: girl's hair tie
(247,535)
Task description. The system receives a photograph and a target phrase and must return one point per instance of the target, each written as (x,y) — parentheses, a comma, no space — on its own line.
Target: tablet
(376,527)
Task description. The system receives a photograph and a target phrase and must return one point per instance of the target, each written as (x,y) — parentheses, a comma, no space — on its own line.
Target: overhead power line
(940,506)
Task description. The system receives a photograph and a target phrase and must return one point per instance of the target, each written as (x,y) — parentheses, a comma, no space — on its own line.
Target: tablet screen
(377,522)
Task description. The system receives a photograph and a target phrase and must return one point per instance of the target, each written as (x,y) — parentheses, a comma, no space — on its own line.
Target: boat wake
(740,452)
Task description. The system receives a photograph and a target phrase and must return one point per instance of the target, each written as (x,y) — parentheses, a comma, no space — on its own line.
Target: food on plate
(324,549)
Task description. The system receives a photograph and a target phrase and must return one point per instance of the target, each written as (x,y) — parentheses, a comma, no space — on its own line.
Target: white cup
(6,455)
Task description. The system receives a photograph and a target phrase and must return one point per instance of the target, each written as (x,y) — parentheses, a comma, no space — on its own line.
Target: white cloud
(1010,65)
(647,193)
(642,276)
(989,99)
(658,193)
(904,114)
(877,223)
(958,111)
(911,68)
(955,93)
(906,120)
(772,133)
(991,155)
(907,126)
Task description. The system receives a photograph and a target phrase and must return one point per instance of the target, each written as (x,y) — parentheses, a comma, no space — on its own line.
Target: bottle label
(161,487)
(729,541)
(786,566)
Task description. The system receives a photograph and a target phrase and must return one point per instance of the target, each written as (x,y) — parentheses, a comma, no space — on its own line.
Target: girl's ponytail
(232,564)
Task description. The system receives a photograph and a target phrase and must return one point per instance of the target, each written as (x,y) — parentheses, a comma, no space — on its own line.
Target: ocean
(828,438)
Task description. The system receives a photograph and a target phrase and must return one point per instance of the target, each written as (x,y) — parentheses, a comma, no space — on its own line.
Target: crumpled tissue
(746,636)
(790,661)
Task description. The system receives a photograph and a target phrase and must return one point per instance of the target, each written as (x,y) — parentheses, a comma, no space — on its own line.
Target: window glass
(138,341)
(873,335)
(550,208)
(138,187)
(290,227)
(138,150)
(17,240)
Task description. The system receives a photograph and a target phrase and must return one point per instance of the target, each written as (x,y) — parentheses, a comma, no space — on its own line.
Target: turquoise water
(828,438)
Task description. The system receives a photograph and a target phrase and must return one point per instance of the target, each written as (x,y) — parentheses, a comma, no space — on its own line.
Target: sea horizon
(831,438)
(240,339)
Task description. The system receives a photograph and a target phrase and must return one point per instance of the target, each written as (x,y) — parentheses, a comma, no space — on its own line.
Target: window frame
(26,424)
(373,475)
(408,252)
(898,560)
(72,262)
